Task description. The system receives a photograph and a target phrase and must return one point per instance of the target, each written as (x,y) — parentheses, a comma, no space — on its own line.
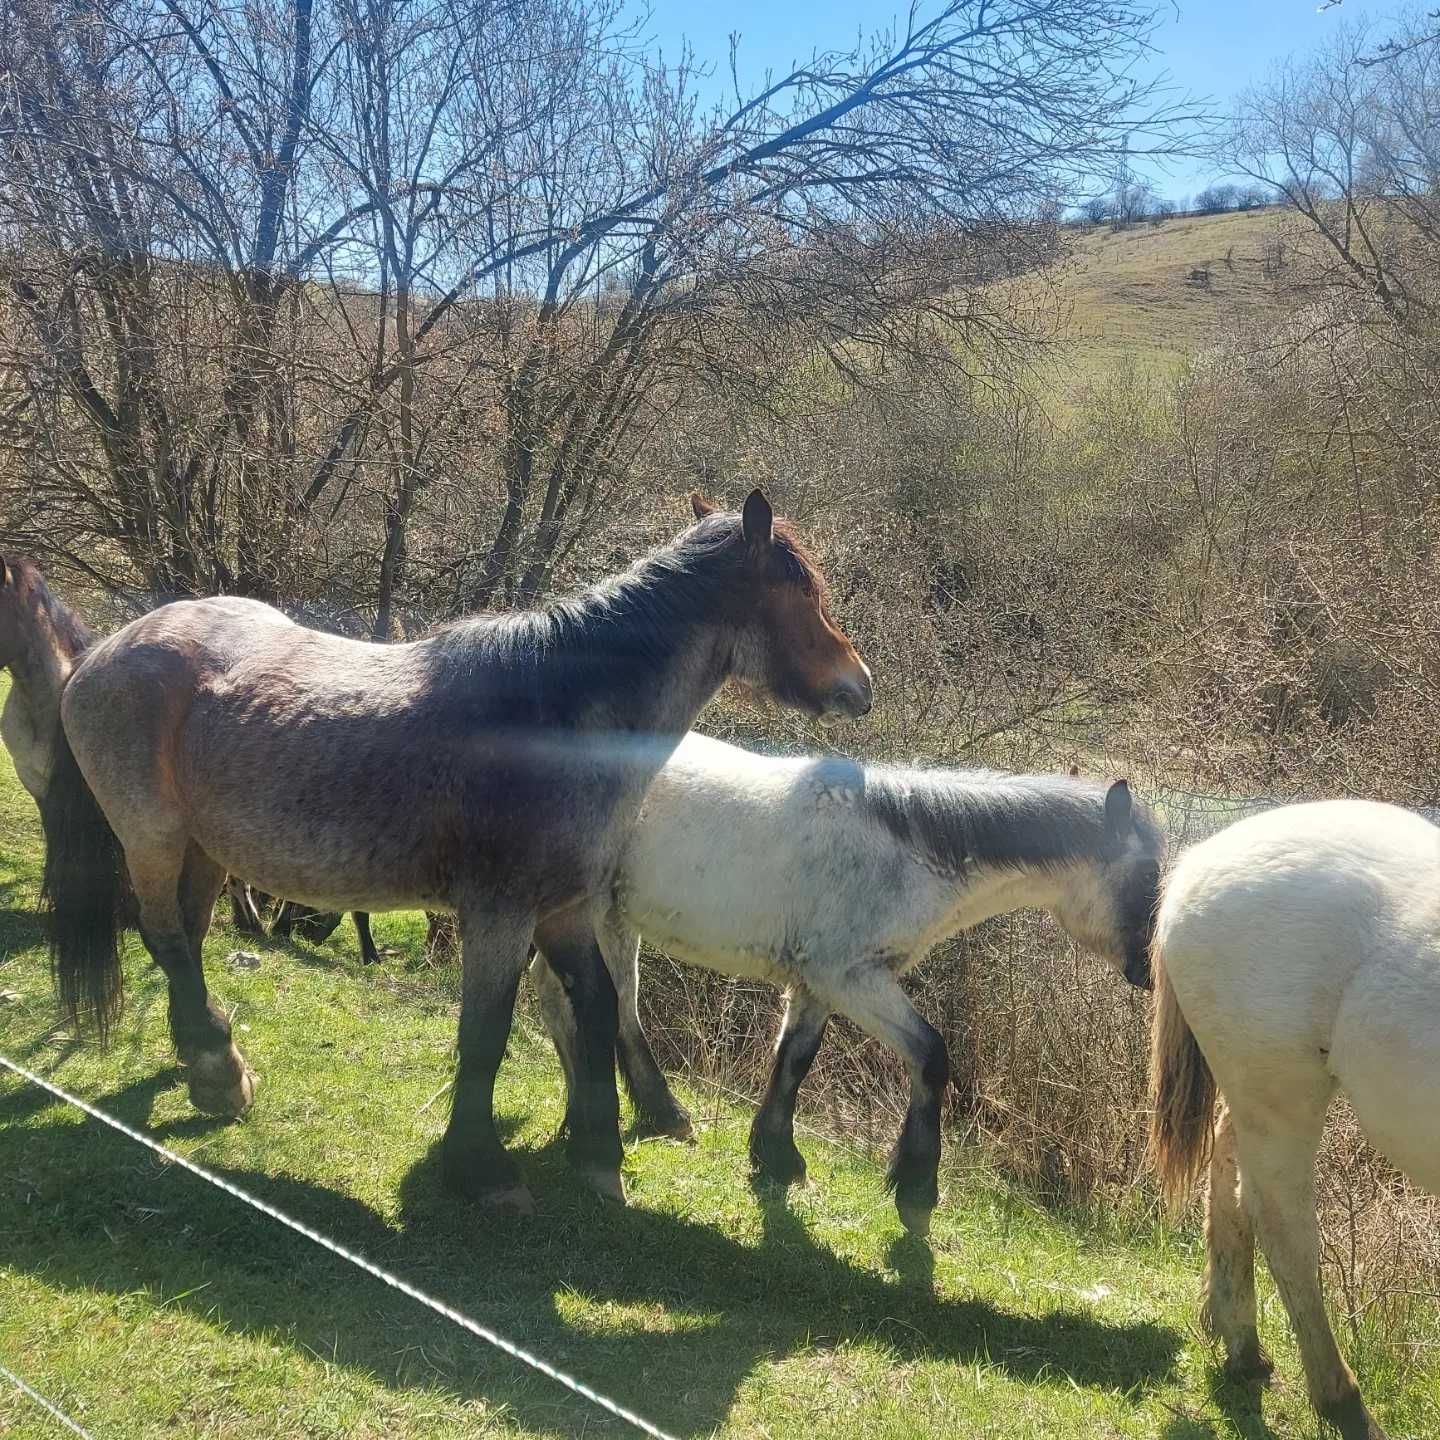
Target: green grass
(1131,301)
(147,1303)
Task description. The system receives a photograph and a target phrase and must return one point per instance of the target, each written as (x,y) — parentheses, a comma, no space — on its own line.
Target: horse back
(1266,927)
(336,772)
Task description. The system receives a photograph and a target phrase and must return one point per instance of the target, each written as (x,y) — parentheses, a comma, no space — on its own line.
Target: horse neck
(1024,846)
(991,890)
(673,653)
(39,672)
(31,714)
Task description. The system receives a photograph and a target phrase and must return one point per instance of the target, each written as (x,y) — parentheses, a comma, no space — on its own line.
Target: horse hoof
(608,1182)
(512,1200)
(915,1218)
(775,1161)
(1350,1417)
(678,1126)
(223,1085)
(1251,1366)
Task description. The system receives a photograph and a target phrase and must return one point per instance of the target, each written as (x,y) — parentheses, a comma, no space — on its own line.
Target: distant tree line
(1140,201)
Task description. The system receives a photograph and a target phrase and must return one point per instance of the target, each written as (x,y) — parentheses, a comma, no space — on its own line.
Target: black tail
(85,895)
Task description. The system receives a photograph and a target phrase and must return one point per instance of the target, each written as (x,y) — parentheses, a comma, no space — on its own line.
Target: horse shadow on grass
(21,924)
(686,1311)
(1240,1404)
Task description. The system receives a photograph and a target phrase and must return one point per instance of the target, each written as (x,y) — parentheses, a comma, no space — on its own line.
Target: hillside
(1135,296)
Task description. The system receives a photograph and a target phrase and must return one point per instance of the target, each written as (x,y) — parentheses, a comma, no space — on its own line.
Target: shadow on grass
(1238,1401)
(21,926)
(20,929)
(83,1207)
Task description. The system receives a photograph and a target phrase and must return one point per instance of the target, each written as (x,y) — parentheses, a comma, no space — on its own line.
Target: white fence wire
(49,1406)
(378,1272)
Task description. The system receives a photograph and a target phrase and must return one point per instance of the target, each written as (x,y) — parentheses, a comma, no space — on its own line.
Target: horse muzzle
(1137,970)
(850,698)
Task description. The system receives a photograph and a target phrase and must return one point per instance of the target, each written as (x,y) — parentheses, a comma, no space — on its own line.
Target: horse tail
(1182,1093)
(85,894)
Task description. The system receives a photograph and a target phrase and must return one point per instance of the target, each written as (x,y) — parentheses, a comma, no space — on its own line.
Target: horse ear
(1117,808)
(701,506)
(757,521)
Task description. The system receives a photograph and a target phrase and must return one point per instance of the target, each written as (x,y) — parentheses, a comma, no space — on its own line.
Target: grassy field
(1132,297)
(148,1304)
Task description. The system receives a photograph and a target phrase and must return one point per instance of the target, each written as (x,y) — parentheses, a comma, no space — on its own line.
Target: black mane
(621,632)
(72,632)
(962,819)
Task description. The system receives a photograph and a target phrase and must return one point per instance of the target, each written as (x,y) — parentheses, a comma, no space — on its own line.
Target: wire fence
(378,1272)
(49,1406)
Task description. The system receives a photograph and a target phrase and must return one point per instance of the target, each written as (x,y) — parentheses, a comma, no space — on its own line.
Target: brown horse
(41,639)
(492,769)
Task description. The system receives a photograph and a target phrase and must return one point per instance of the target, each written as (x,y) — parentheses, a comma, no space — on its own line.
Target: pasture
(146,1303)
(1134,298)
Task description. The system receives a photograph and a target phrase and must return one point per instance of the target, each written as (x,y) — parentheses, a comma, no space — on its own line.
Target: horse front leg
(877,1004)
(243,914)
(493,949)
(592,1119)
(657,1111)
(774,1156)
(369,955)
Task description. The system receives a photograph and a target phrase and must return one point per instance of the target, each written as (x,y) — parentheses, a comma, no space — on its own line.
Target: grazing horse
(41,639)
(1297,953)
(491,769)
(831,879)
(316,926)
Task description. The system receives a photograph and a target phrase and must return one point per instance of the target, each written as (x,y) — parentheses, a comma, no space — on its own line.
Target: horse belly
(701,934)
(1385,1054)
(335,821)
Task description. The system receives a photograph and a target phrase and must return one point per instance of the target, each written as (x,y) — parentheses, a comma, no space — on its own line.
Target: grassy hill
(1134,297)
(148,1304)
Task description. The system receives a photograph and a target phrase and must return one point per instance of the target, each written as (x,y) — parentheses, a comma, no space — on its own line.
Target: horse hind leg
(1229,1309)
(176,902)
(1277,1169)
(657,1111)
(774,1156)
(876,1003)
(559,1019)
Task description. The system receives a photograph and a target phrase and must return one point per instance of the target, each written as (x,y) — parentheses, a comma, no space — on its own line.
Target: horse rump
(1182,1093)
(85,895)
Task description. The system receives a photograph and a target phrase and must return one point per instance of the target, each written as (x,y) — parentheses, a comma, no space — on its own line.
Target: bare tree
(1217,198)
(452,261)
(1350,145)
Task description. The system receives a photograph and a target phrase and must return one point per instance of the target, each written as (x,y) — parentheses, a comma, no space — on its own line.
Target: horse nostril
(852,697)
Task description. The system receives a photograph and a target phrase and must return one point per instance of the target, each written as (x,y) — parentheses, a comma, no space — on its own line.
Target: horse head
(787,641)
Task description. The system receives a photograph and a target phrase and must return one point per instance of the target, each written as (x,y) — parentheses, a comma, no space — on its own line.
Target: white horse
(1297,953)
(830,879)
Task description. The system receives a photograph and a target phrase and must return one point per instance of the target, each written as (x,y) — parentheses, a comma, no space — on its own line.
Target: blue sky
(1210,48)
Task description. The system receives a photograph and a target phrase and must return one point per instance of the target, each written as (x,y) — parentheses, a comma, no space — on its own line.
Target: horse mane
(962,819)
(73,634)
(631,621)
